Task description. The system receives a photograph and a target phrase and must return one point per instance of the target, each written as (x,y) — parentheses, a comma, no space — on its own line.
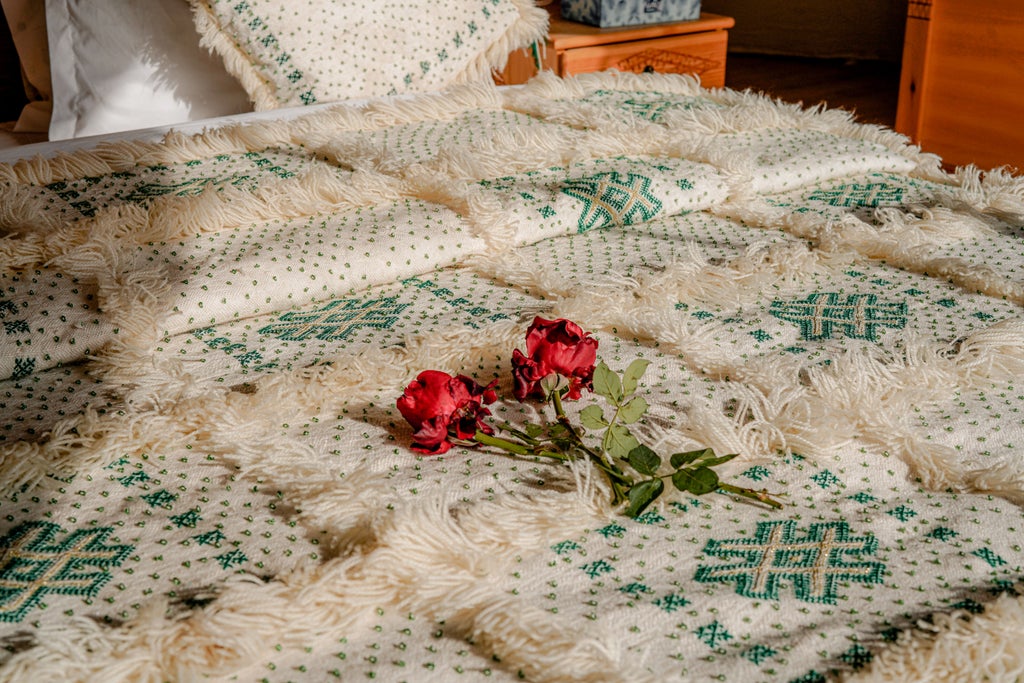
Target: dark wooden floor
(867,88)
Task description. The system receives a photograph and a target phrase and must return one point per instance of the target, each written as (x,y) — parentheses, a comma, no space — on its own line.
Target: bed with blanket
(206,475)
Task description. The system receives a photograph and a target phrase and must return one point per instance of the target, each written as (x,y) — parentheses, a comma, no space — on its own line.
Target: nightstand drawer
(685,47)
(702,54)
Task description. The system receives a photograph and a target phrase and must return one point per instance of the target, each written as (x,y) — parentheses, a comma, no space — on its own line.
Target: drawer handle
(648,69)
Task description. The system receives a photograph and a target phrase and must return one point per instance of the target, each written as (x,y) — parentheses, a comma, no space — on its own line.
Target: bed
(207,330)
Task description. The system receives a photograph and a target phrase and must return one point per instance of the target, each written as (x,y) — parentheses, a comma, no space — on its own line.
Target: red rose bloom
(438,405)
(554,347)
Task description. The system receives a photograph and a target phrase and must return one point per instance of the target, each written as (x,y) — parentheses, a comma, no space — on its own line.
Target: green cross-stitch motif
(759,653)
(262,35)
(32,565)
(858,316)
(612,529)
(651,106)
(713,634)
(650,110)
(613,198)
(756,473)
(942,533)
(634,589)
(671,602)
(825,479)
(813,562)
(162,498)
(596,568)
(136,477)
(190,187)
(231,558)
(210,537)
(863,498)
(857,194)
(337,319)
(857,657)
(565,547)
(16,327)
(23,367)
(187,519)
(650,517)
(986,554)
(902,513)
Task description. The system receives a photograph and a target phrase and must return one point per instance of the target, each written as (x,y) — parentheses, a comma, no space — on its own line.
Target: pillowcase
(131,64)
(292,53)
(27,22)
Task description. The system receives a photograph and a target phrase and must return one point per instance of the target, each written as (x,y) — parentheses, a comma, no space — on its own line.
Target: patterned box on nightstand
(606,13)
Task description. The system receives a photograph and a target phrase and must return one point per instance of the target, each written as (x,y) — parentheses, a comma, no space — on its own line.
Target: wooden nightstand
(689,47)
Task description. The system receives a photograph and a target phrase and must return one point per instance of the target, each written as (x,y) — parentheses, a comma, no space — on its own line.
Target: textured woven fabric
(205,474)
(321,51)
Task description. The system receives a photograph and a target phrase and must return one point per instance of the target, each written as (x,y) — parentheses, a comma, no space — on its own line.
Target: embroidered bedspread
(204,475)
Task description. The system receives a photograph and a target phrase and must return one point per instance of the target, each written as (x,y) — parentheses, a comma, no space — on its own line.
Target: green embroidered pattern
(23,367)
(189,187)
(859,316)
(651,106)
(337,319)
(812,563)
(32,565)
(713,634)
(859,194)
(457,302)
(613,198)
(265,40)
(759,653)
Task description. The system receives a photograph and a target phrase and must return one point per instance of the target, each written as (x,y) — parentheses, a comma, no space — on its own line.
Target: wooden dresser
(691,47)
(962,81)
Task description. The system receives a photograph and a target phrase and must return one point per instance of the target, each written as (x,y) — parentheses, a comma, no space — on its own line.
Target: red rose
(438,405)
(554,347)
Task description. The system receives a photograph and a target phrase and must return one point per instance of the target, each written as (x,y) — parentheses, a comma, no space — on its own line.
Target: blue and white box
(608,13)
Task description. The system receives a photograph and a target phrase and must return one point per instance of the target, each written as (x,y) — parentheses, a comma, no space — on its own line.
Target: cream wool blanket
(205,476)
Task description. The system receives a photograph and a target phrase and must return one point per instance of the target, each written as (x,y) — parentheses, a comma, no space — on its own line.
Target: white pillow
(128,64)
(286,52)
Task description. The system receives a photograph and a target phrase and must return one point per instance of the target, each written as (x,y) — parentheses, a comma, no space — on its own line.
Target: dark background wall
(854,29)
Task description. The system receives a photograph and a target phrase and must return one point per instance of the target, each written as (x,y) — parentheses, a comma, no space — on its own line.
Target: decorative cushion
(288,53)
(131,64)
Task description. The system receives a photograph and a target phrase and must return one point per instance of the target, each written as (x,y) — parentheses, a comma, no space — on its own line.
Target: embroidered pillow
(289,53)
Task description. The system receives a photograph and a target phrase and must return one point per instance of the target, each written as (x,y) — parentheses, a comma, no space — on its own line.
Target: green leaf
(679,459)
(607,383)
(698,481)
(534,430)
(644,460)
(633,411)
(592,417)
(632,375)
(618,442)
(557,430)
(643,494)
(714,462)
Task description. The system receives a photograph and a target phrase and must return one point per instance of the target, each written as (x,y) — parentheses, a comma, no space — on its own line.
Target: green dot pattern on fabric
(198,418)
(332,51)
